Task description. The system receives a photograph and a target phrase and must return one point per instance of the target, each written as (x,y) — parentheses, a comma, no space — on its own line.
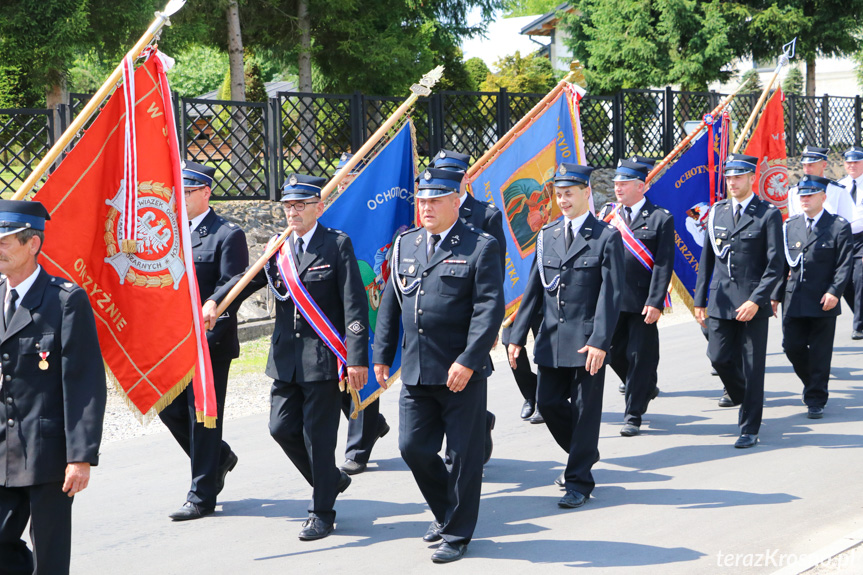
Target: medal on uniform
(797,245)
(411,269)
(43,363)
(718,242)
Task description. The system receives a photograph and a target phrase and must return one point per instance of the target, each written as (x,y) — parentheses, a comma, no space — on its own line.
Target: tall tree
(517,8)
(529,74)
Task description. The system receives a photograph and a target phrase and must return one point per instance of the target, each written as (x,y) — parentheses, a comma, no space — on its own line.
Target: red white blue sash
(633,244)
(307,306)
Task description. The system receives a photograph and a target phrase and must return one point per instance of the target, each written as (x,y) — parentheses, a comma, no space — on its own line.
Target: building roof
(545,24)
(272,88)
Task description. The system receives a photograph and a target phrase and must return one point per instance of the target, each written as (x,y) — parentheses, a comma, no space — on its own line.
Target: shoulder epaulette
(63,284)
(550,225)
(841,219)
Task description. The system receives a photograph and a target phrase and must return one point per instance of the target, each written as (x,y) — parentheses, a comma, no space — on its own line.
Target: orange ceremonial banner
(768,145)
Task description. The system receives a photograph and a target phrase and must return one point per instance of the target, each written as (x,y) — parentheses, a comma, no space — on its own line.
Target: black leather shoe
(344,482)
(857,334)
(572,499)
(229,464)
(352,467)
(536,418)
(746,440)
(190,511)
(449,552)
(315,528)
(725,401)
(629,430)
(815,413)
(527,409)
(714,372)
(654,394)
(560,480)
(433,533)
(489,445)
(622,387)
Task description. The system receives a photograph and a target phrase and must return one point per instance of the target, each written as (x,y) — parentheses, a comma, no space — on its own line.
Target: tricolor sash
(632,243)
(306,305)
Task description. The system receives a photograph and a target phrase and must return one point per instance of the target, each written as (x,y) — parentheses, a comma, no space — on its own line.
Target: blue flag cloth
(519,180)
(373,210)
(684,190)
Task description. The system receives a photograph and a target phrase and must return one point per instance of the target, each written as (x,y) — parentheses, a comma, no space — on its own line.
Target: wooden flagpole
(423,88)
(162,19)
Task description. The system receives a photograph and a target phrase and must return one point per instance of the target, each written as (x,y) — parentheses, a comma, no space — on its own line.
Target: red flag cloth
(146,303)
(768,145)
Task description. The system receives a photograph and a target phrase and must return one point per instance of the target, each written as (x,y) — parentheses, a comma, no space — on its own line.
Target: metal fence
(253,145)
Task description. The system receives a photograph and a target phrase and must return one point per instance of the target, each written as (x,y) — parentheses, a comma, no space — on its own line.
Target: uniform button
(561,320)
(452,272)
(425,274)
(420,312)
(37,346)
(805,250)
(563,269)
(11,423)
(563,304)
(483,367)
(6,356)
(8,378)
(297,335)
(420,330)
(8,401)
(562,285)
(422,292)
(732,252)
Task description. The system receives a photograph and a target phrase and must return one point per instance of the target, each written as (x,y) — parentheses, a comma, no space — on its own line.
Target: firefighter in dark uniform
(485,217)
(634,352)
(446,289)
(53,398)
(220,252)
(742,265)
(305,397)
(369,425)
(576,279)
(818,251)
(853,182)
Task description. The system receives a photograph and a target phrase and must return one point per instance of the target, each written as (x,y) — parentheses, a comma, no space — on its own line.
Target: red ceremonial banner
(768,145)
(146,302)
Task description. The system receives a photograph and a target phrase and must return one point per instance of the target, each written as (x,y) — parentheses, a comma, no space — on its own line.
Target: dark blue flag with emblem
(685,190)
(373,210)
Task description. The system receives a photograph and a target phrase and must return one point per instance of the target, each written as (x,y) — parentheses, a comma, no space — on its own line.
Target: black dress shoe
(433,533)
(630,430)
(815,413)
(449,552)
(560,480)
(622,387)
(572,499)
(352,467)
(190,511)
(725,401)
(489,445)
(857,334)
(527,409)
(344,482)
(746,440)
(315,528)
(536,418)
(229,465)
(713,371)
(654,394)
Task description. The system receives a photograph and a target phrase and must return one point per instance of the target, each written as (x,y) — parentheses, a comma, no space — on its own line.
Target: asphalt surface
(678,499)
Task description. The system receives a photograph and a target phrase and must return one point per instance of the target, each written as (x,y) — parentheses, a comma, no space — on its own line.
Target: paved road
(679,499)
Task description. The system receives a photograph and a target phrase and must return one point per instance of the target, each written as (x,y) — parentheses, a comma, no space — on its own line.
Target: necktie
(299,250)
(432,244)
(10,308)
(854,191)
(737,213)
(627,215)
(568,235)
(810,223)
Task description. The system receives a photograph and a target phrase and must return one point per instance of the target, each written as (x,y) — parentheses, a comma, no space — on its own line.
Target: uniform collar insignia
(454,240)
(202,231)
(419,240)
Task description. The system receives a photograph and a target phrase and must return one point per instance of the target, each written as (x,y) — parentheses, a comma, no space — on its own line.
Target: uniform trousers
(363,431)
(854,289)
(738,353)
(634,357)
(205,447)
(570,400)
(304,421)
(524,376)
(49,511)
(808,344)
(427,413)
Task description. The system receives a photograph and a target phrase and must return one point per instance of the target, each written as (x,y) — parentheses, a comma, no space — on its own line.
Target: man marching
(316,342)
(837,199)
(744,260)
(818,254)
(52,398)
(853,182)
(220,252)
(575,279)
(648,236)
(446,288)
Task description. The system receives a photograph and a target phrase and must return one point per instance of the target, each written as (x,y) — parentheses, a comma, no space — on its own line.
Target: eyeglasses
(193,190)
(298,206)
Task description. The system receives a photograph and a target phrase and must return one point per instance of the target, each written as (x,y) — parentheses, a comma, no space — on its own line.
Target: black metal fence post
(503,113)
(436,122)
(618,144)
(858,117)
(825,121)
(791,126)
(668,121)
(274,147)
(358,123)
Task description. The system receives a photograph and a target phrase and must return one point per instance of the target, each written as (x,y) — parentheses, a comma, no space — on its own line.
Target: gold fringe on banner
(145,418)
(359,406)
(683,293)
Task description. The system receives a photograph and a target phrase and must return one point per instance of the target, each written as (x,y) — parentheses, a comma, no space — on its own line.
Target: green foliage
(793,82)
(529,74)
(516,8)
(477,73)
(255,89)
(645,43)
(199,69)
(753,81)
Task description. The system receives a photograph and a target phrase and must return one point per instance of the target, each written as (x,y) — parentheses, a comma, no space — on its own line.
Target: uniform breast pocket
(645,235)
(454,280)
(586,270)
(205,256)
(823,251)
(49,427)
(750,240)
(319,274)
(36,345)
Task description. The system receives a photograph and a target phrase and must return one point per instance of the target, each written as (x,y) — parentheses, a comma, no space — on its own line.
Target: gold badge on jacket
(43,362)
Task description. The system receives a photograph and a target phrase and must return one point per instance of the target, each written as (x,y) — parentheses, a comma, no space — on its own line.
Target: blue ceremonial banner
(684,190)
(373,210)
(519,180)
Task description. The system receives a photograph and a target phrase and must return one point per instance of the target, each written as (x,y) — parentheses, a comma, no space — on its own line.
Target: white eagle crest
(152,238)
